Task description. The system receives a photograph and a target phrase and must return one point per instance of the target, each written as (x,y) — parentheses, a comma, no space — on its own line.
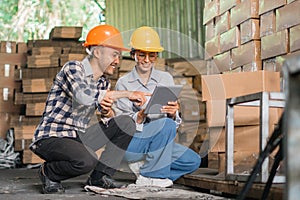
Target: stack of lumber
(13,56)
(44,60)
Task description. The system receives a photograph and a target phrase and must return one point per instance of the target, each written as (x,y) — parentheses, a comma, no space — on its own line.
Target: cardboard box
(210,30)
(295,38)
(288,16)
(222,23)
(246,53)
(269,64)
(267,5)
(243,11)
(185,81)
(192,110)
(126,65)
(212,67)
(212,47)
(275,44)
(280,59)
(243,161)
(243,115)
(226,5)
(290,1)
(267,23)
(187,131)
(211,10)
(253,66)
(250,30)
(223,61)
(246,138)
(230,39)
(224,86)
(187,68)
(197,83)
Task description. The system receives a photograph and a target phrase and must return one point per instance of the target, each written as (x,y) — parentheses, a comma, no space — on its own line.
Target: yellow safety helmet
(145,39)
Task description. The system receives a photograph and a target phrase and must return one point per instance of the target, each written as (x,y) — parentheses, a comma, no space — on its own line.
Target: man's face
(145,60)
(109,60)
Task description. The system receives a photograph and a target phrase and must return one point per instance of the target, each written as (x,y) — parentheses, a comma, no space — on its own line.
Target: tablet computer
(161,96)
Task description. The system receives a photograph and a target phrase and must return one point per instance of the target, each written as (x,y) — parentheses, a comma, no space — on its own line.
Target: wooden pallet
(210,179)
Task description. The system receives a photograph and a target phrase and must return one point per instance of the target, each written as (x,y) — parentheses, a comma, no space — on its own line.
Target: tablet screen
(161,96)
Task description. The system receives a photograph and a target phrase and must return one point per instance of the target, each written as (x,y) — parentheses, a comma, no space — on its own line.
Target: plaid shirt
(73,98)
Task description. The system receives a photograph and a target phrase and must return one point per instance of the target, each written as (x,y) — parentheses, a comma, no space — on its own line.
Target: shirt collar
(87,67)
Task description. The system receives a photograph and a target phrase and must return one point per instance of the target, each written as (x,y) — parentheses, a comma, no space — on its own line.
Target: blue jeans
(164,158)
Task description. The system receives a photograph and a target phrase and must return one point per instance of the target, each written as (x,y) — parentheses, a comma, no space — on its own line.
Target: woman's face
(145,60)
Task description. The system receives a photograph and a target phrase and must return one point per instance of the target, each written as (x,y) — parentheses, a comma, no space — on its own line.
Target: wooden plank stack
(13,56)
(44,60)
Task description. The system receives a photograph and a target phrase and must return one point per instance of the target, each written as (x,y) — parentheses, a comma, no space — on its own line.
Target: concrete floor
(24,184)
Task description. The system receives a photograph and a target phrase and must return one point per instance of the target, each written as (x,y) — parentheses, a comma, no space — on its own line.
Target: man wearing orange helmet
(63,138)
(152,153)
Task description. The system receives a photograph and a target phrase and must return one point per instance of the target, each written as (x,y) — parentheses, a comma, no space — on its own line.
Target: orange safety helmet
(105,35)
(146,38)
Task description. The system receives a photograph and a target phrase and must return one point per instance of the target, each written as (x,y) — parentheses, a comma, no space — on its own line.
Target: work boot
(48,186)
(105,182)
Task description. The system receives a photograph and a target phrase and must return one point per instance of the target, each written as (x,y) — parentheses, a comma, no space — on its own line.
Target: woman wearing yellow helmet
(152,153)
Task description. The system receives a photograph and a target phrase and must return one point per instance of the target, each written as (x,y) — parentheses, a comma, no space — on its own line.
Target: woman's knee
(166,123)
(195,160)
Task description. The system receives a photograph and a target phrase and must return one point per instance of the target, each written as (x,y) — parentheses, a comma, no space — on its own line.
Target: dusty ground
(24,184)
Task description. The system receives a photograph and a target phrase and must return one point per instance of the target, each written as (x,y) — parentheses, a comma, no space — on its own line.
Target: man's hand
(139,98)
(106,104)
(171,109)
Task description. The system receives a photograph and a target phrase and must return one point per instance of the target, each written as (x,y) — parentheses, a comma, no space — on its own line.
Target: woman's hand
(171,109)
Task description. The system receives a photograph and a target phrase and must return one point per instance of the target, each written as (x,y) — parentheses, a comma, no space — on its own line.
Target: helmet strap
(88,52)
